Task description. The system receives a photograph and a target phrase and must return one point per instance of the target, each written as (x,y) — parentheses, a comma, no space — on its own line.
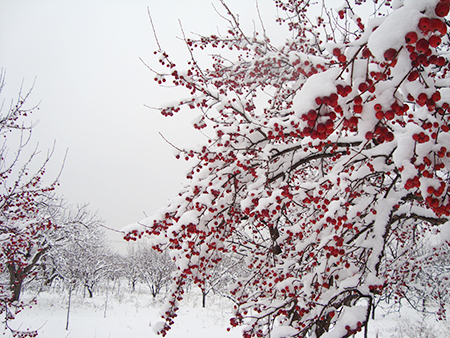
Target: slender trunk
(106,300)
(89,289)
(68,307)
(370,308)
(204,299)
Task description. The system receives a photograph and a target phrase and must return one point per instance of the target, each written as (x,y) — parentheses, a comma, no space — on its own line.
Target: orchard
(326,170)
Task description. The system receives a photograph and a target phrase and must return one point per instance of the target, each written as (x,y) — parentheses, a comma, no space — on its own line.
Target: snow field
(135,314)
(130,315)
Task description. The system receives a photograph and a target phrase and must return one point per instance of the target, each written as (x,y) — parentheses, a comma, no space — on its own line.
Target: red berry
(422,59)
(422,45)
(363,87)
(379,115)
(411,37)
(424,24)
(321,128)
(342,58)
(357,99)
(389,115)
(442,9)
(436,96)
(441,61)
(433,59)
(410,48)
(437,25)
(336,52)
(413,56)
(390,54)
(357,108)
(389,137)
(422,99)
(434,41)
(312,115)
(366,53)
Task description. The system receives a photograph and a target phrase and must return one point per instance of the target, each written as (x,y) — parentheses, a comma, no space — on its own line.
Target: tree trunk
(68,307)
(15,282)
(204,299)
(91,294)
(17,289)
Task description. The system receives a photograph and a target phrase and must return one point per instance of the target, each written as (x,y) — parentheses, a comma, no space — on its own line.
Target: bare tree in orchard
(81,256)
(151,267)
(327,166)
(27,206)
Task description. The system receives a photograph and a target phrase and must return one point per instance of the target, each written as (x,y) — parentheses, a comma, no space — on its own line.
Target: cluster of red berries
(376,289)
(351,331)
(341,57)
(419,44)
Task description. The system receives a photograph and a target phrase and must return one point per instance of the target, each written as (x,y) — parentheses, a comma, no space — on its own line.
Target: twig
(180,150)
(153,28)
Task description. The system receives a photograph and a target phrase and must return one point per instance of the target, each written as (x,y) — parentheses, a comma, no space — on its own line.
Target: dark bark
(17,276)
(204,299)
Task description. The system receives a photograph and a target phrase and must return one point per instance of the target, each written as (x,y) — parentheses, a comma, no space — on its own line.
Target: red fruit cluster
(419,44)
(376,289)
(395,110)
(421,137)
(412,183)
(341,57)
(321,125)
(343,90)
(351,331)
(368,85)
(423,99)
(382,134)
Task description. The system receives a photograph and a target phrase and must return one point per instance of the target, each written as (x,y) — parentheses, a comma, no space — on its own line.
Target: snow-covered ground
(135,314)
(126,315)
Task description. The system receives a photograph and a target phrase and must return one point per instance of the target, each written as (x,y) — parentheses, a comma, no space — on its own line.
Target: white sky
(91,89)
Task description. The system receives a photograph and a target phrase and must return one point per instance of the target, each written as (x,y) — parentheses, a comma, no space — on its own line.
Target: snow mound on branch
(350,316)
(283,332)
(158,327)
(422,5)
(320,84)
(391,33)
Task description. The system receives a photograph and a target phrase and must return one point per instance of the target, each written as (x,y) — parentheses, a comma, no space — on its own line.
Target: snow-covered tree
(27,205)
(327,163)
(81,255)
(150,267)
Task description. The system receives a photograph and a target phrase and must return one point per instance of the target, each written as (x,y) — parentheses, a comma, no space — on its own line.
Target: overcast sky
(91,89)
